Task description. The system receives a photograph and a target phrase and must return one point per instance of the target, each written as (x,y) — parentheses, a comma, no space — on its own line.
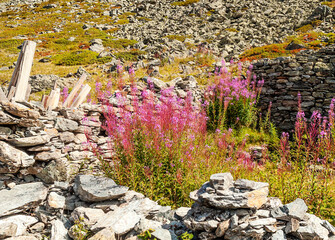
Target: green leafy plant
(186,236)
(80,230)
(146,235)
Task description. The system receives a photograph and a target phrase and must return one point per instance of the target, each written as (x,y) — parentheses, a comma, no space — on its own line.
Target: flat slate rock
(20,110)
(15,225)
(13,158)
(119,221)
(21,197)
(30,141)
(96,189)
(296,209)
(63,124)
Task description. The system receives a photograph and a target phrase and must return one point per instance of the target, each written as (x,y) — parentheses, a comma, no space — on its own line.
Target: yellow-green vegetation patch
(310,40)
(112,30)
(61,44)
(268,51)
(309,27)
(10,44)
(131,55)
(184,3)
(329,4)
(126,14)
(95,33)
(180,38)
(13,32)
(122,21)
(231,30)
(6,59)
(145,19)
(78,58)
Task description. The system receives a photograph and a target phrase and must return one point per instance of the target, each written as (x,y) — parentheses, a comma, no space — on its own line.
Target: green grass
(75,58)
(131,55)
(10,45)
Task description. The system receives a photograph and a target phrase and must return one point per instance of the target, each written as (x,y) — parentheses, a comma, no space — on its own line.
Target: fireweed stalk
(308,160)
(232,99)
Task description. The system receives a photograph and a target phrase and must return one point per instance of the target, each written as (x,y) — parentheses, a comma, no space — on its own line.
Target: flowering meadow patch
(167,146)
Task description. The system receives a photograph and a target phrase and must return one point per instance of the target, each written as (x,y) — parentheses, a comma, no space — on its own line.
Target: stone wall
(49,145)
(310,73)
(52,145)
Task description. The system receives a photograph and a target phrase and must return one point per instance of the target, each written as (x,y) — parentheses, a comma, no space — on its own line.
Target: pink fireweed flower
(65,93)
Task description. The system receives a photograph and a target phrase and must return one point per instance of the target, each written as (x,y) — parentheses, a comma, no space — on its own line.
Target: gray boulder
(96,189)
(22,197)
(64,125)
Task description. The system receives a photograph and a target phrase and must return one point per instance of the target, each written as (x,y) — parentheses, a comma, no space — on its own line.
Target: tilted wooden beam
(81,96)
(74,91)
(21,72)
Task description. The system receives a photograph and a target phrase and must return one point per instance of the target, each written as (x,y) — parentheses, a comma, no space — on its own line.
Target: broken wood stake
(81,96)
(74,91)
(53,100)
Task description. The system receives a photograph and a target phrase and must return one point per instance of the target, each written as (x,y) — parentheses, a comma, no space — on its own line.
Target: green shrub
(75,58)
(176,37)
(10,43)
(61,44)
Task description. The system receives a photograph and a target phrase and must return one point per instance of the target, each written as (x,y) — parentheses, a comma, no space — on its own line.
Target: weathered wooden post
(18,86)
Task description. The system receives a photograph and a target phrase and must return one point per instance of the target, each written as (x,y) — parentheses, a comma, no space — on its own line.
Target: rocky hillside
(157,28)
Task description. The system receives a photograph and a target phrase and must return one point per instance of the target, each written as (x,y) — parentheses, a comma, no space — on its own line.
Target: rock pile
(241,209)
(227,27)
(91,204)
(99,208)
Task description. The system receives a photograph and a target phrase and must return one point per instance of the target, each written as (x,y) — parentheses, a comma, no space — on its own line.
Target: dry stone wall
(310,73)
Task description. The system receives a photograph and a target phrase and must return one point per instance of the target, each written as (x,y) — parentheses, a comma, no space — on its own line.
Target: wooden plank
(13,80)
(74,91)
(44,99)
(53,99)
(22,70)
(81,96)
(50,99)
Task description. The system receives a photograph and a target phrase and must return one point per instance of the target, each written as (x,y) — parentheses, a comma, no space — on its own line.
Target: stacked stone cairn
(242,210)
